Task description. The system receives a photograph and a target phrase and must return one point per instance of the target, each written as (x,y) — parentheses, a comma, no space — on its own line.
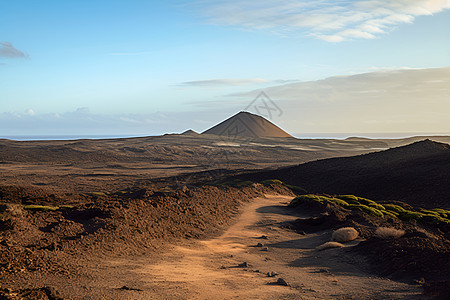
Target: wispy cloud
(7,50)
(393,82)
(401,100)
(225,82)
(332,21)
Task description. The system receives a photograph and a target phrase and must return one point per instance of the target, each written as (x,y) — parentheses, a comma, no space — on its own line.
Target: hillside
(418,174)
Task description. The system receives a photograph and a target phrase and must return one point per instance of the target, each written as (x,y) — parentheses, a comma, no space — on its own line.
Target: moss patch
(436,216)
(367,209)
(40,208)
(271,181)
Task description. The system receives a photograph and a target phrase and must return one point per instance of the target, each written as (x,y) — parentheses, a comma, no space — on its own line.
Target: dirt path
(209,269)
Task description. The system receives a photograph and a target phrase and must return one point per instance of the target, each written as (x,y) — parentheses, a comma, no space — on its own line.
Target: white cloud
(7,50)
(332,21)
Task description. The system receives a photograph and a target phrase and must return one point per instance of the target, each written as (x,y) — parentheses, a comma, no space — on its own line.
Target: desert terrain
(204,216)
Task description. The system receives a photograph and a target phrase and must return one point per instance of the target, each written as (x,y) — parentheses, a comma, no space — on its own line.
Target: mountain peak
(246,124)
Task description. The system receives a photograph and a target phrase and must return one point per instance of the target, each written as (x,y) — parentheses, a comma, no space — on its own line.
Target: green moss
(67,207)
(350,199)
(435,216)
(338,202)
(310,199)
(306,199)
(370,203)
(99,194)
(390,213)
(367,209)
(271,181)
(442,212)
(410,215)
(429,212)
(40,207)
(378,206)
(395,208)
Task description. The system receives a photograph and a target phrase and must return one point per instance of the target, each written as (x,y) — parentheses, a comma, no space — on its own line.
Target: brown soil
(128,222)
(124,226)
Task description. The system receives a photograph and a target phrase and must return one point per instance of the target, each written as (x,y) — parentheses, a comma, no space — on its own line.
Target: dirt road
(234,266)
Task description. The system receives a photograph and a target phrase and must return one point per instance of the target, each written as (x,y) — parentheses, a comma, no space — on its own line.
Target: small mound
(389,233)
(345,234)
(329,245)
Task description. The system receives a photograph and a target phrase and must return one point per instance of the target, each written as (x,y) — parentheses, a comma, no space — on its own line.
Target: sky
(116,67)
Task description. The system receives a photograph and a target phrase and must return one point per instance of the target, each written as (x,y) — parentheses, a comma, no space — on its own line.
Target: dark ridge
(418,174)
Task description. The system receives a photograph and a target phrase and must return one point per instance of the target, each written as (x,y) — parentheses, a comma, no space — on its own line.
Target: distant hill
(190,132)
(245,124)
(418,174)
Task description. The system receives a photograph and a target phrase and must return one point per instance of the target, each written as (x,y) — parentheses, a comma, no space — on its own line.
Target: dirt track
(209,269)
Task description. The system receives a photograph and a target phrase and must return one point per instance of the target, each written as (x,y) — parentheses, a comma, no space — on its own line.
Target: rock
(272,274)
(243,265)
(329,245)
(345,234)
(282,282)
(259,245)
(126,288)
(263,237)
(265,249)
(420,281)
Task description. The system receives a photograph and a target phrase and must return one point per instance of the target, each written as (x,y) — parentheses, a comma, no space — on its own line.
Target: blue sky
(149,67)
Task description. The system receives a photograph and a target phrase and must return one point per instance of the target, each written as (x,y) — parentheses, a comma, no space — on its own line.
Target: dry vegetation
(389,233)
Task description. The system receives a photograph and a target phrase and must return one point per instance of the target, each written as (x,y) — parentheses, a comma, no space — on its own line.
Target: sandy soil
(210,269)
